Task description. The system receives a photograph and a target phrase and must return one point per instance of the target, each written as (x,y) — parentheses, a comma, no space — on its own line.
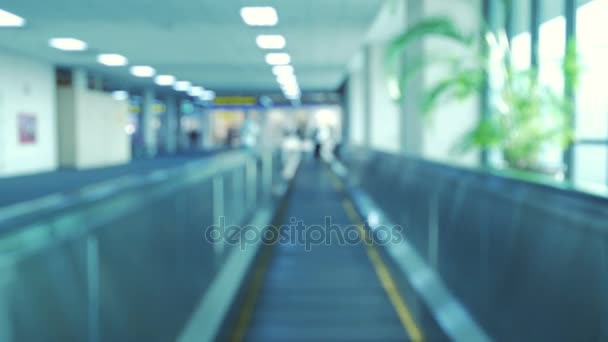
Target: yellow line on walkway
(405,315)
(251,297)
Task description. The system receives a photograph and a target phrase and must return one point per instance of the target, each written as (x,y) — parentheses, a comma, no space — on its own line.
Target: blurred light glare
(112,59)
(196,91)
(182,86)
(207,95)
(165,80)
(68,44)
(292,93)
(290,86)
(278,58)
(130,129)
(287,79)
(259,16)
(271,41)
(282,70)
(292,96)
(292,89)
(143,71)
(120,95)
(373,218)
(8,19)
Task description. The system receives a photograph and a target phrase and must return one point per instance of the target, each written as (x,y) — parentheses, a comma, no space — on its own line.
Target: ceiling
(202,41)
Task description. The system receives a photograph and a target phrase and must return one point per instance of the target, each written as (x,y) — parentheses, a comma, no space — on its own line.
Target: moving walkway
(328,290)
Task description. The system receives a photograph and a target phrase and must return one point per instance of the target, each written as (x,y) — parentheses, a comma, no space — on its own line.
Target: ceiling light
(259,16)
(287,79)
(143,71)
(196,91)
(278,59)
(68,44)
(207,95)
(8,19)
(289,84)
(164,80)
(270,41)
(282,70)
(120,95)
(112,59)
(291,88)
(182,86)
(291,91)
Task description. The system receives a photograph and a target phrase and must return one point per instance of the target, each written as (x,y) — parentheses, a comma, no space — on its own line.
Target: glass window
(591,154)
(551,49)
(591,164)
(521,51)
(521,42)
(592,93)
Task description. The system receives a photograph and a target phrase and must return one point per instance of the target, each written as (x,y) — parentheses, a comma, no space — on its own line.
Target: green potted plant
(524,115)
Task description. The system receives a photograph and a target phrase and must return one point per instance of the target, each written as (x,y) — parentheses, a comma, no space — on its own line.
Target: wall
(402,128)
(102,139)
(385,112)
(356,102)
(452,119)
(92,129)
(26,86)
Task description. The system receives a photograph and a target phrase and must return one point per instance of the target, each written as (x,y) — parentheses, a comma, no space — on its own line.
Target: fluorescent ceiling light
(282,70)
(68,44)
(259,16)
(8,19)
(278,58)
(274,41)
(120,95)
(143,71)
(292,96)
(196,91)
(289,85)
(287,79)
(112,59)
(292,89)
(164,80)
(182,86)
(208,95)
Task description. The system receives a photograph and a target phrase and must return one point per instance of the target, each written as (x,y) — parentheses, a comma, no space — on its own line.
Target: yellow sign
(134,108)
(235,101)
(157,108)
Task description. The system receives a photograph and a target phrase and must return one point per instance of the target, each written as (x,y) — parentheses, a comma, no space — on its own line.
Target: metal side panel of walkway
(326,291)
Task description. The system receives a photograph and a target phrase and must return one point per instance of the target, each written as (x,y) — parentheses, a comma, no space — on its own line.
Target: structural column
(411,123)
(368,98)
(147,123)
(172,125)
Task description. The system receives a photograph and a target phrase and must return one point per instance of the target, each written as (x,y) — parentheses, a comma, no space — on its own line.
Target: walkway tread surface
(330,293)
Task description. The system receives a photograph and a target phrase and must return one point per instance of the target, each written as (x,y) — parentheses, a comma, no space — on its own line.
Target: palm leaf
(462,84)
(436,26)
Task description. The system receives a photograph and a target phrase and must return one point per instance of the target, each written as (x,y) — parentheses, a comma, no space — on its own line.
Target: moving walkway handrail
(499,241)
(35,224)
(74,255)
(571,192)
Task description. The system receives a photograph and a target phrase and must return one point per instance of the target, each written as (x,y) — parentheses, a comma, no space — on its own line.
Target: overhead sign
(235,101)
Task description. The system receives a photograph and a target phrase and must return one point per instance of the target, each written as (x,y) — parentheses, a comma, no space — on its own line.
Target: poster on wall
(27,128)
